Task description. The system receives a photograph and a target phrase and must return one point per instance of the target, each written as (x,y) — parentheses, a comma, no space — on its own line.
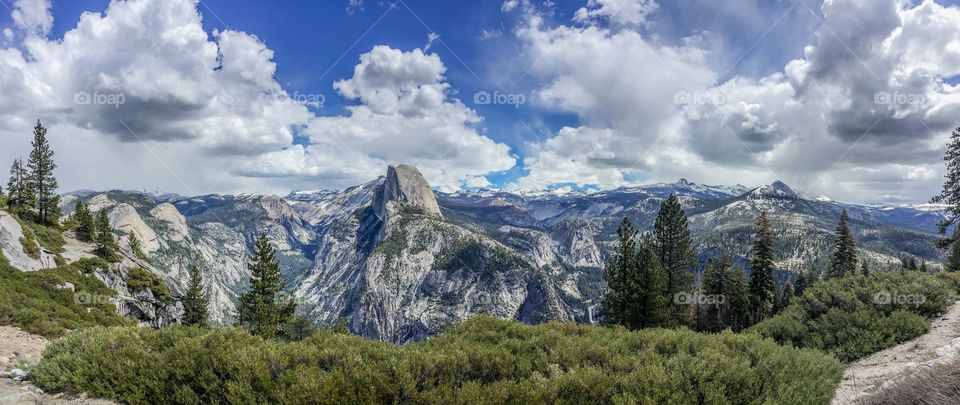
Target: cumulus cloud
(868,101)
(161,102)
(619,12)
(404,115)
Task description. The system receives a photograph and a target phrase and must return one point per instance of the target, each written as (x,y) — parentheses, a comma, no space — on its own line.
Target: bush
(857,315)
(41,302)
(48,237)
(483,360)
(139,278)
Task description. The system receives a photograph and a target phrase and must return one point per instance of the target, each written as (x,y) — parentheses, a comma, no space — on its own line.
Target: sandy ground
(867,375)
(17,350)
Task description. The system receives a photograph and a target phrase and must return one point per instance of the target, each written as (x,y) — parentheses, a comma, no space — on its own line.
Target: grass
(858,315)
(40,302)
(483,360)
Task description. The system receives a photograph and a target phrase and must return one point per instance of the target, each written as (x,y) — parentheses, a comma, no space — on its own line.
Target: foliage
(672,245)
(43,184)
(762,285)
(19,194)
(86,227)
(844,259)
(264,309)
(41,301)
(195,302)
(857,315)
(950,195)
(136,248)
(29,243)
(49,237)
(138,279)
(482,360)
(106,243)
(725,291)
(636,283)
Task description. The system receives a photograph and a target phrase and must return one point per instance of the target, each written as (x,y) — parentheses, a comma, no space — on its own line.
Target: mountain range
(399,262)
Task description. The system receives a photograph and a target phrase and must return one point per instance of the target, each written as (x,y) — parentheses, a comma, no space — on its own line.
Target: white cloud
(821,123)
(404,116)
(618,12)
(33,16)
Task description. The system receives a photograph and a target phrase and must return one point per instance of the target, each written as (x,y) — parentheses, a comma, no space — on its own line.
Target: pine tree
(950,194)
(671,242)
(195,302)
(264,309)
(19,192)
(726,300)
(864,268)
(844,260)
(618,269)
(86,227)
(42,182)
(651,307)
(106,243)
(786,296)
(802,283)
(136,248)
(953,262)
(762,285)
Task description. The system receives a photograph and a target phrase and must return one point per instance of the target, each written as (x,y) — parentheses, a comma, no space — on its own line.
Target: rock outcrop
(12,247)
(405,184)
(125,219)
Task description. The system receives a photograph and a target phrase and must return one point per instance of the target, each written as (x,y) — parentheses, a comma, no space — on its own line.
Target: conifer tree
(762,285)
(672,245)
(844,260)
(86,227)
(20,195)
(786,296)
(195,302)
(264,309)
(618,269)
(950,194)
(953,261)
(802,283)
(136,247)
(105,241)
(864,268)
(724,295)
(42,182)
(651,307)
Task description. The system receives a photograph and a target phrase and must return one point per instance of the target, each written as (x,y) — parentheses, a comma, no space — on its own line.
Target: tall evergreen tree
(724,295)
(762,285)
(86,227)
(786,296)
(620,291)
(651,307)
(264,309)
(953,261)
(802,283)
(864,268)
(20,195)
(105,241)
(950,194)
(42,182)
(136,248)
(844,260)
(195,302)
(671,243)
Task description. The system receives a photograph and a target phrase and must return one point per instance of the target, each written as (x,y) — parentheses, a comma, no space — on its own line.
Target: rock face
(125,218)
(12,247)
(404,184)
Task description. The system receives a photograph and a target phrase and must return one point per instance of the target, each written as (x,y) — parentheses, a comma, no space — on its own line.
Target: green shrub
(139,278)
(48,237)
(29,244)
(483,360)
(951,278)
(40,301)
(857,315)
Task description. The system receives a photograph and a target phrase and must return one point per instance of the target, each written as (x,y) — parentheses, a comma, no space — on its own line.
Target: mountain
(400,262)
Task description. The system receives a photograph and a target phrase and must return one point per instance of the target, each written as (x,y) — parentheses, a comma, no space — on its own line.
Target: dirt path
(865,376)
(19,349)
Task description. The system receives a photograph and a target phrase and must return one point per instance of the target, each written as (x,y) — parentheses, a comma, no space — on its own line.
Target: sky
(852,99)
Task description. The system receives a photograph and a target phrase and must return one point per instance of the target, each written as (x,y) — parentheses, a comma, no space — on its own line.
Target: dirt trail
(19,349)
(867,375)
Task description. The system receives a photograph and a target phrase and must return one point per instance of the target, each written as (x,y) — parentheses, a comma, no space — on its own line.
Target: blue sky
(586,119)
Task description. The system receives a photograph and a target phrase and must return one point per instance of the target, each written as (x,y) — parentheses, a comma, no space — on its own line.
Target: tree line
(650,279)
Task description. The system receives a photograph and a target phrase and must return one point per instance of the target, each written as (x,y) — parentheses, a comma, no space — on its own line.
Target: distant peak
(405,184)
(777,189)
(685,182)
